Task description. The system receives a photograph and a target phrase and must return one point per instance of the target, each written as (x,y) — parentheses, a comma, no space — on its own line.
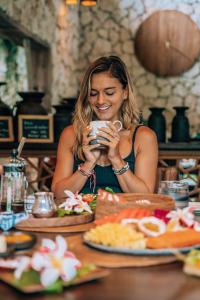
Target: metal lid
(13,167)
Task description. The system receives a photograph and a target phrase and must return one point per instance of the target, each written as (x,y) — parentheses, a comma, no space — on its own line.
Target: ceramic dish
(167,251)
(9,251)
(20,240)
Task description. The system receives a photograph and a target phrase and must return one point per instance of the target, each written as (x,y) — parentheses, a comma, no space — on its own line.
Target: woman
(129,162)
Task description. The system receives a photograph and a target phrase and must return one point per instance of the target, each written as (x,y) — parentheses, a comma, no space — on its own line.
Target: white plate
(167,251)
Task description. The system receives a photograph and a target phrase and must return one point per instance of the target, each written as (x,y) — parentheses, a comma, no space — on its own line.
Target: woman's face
(106,96)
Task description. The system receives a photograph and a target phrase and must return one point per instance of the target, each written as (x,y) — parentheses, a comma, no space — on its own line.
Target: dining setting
(99,149)
(46,248)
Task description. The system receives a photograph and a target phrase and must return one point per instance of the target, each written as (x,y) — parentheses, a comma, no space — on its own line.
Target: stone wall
(57,24)
(78,35)
(111,27)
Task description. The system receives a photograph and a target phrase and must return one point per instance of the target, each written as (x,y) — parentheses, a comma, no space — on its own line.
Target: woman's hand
(112,135)
(91,155)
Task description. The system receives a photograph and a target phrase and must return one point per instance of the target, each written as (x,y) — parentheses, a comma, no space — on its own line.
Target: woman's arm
(146,159)
(64,178)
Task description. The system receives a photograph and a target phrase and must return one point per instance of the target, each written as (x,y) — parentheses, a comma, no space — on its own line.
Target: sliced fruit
(152,226)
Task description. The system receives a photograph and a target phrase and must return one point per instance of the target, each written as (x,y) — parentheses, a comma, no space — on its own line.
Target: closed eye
(93,93)
(109,93)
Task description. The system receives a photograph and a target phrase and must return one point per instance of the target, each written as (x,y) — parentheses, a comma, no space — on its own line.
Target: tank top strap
(135,132)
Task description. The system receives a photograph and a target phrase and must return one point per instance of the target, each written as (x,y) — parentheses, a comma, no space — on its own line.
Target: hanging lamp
(88,2)
(71,2)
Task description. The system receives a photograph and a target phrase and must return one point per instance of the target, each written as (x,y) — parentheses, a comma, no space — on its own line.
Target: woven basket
(134,200)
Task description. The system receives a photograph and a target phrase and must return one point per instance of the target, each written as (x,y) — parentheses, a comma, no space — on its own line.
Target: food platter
(19,240)
(166,251)
(56,222)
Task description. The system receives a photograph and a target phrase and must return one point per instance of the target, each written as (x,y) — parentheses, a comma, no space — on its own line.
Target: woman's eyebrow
(108,88)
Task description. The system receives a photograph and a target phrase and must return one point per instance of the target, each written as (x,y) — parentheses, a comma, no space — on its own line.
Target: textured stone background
(78,35)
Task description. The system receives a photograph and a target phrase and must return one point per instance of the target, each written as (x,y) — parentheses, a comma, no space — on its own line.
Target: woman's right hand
(91,155)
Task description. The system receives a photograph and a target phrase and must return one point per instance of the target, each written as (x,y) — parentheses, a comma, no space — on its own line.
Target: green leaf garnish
(110,190)
(32,277)
(84,270)
(28,278)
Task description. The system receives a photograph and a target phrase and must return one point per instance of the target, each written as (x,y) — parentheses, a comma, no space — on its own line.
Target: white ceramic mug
(96,125)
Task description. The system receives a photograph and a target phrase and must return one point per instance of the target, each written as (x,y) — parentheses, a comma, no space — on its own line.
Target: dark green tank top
(105,176)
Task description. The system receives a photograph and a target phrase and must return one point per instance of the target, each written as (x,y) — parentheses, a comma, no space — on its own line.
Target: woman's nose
(100,98)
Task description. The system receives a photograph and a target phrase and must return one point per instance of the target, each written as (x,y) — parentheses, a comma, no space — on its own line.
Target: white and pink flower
(75,202)
(52,261)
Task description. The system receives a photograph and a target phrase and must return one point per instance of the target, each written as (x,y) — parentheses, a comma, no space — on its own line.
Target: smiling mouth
(103,108)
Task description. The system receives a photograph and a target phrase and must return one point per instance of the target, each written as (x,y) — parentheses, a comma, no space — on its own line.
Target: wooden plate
(32,222)
(59,229)
(7,277)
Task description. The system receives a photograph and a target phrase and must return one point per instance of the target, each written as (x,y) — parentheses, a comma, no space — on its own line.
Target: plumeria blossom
(52,261)
(184,217)
(75,202)
(23,264)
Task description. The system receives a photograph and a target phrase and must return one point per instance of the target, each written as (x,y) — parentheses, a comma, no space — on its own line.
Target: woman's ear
(125,93)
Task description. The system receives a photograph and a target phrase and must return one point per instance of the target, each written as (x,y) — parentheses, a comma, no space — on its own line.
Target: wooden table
(166,282)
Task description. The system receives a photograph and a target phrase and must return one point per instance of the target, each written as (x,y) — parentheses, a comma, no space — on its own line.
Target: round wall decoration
(167,43)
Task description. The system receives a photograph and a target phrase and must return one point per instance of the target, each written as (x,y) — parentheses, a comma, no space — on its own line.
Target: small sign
(35,128)
(6,129)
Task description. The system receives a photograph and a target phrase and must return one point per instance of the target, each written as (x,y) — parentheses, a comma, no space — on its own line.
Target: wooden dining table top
(164,282)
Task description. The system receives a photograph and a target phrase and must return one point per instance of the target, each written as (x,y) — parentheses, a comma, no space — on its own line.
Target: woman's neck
(103,159)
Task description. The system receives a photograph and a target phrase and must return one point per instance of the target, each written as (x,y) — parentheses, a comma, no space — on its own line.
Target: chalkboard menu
(6,129)
(35,128)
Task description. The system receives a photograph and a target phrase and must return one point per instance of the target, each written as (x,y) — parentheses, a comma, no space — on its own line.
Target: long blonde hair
(83,115)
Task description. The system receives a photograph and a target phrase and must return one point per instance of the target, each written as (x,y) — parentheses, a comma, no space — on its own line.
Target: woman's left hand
(113,138)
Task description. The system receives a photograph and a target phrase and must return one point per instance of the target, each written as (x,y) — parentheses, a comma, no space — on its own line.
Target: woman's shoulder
(145,135)
(68,136)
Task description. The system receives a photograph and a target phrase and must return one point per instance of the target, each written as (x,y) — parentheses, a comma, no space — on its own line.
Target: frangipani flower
(23,264)
(74,202)
(52,261)
(184,216)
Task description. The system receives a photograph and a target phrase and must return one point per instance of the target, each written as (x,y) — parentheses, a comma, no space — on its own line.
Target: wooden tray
(61,229)
(134,200)
(111,260)
(7,277)
(32,222)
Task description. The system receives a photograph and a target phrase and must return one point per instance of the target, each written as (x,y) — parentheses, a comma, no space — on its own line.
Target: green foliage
(29,277)
(61,212)
(108,189)
(84,270)
(11,49)
(32,277)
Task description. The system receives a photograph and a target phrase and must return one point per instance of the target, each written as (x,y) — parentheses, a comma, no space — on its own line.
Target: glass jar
(178,190)
(13,184)
(13,191)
